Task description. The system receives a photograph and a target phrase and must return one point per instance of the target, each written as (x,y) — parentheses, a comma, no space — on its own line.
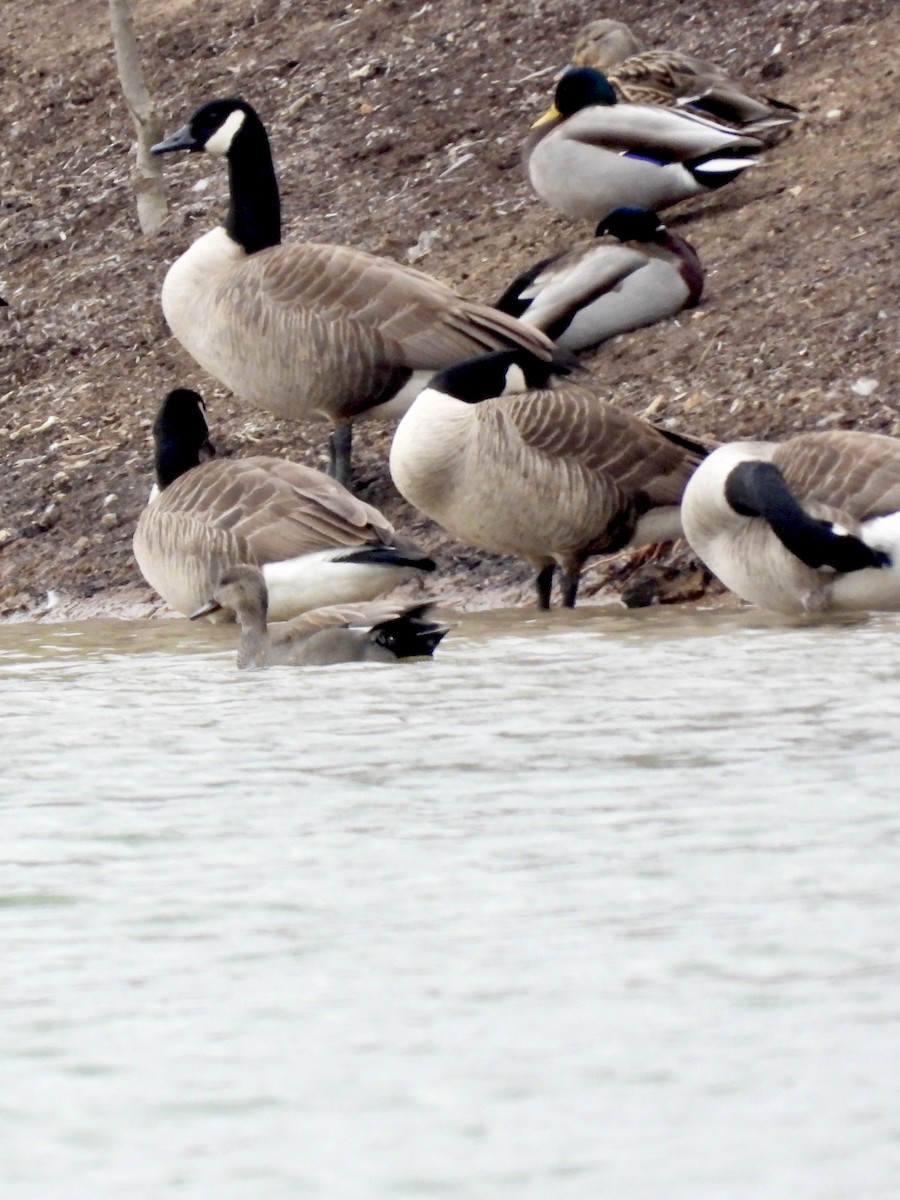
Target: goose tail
(411,635)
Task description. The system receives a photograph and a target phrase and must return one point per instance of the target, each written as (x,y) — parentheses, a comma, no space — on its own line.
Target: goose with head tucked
(307,330)
(811,524)
(674,79)
(589,155)
(511,461)
(321,638)
(636,273)
(313,540)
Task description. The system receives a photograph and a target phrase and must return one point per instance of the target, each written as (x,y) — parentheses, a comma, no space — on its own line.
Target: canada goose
(307,330)
(675,79)
(315,542)
(509,461)
(589,155)
(637,275)
(808,525)
(314,642)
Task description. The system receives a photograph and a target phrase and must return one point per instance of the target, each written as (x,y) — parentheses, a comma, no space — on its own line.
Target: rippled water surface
(591,906)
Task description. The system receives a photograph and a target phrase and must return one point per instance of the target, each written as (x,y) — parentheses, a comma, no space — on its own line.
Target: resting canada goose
(313,642)
(808,525)
(675,79)
(306,330)
(509,461)
(589,155)
(638,274)
(315,542)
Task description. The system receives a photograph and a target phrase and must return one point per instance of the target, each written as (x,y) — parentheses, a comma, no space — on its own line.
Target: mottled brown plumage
(265,512)
(672,78)
(308,330)
(844,487)
(549,474)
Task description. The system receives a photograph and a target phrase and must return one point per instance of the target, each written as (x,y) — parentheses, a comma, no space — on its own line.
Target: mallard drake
(811,524)
(589,155)
(674,79)
(315,542)
(321,638)
(511,461)
(635,273)
(307,330)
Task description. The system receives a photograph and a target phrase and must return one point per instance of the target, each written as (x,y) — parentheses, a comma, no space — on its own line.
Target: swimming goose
(637,275)
(589,155)
(308,330)
(808,525)
(315,542)
(510,461)
(320,639)
(674,79)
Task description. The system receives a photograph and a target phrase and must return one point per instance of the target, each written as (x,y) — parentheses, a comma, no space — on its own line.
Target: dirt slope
(396,128)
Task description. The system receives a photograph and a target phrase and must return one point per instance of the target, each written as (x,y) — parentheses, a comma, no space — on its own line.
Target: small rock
(863,387)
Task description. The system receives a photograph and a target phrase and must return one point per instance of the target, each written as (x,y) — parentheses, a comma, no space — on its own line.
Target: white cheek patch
(220,142)
(515,380)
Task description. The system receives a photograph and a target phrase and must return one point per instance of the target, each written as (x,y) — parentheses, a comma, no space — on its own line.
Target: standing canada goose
(314,541)
(637,275)
(321,639)
(509,461)
(675,79)
(808,525)
(589,155)
(306,330)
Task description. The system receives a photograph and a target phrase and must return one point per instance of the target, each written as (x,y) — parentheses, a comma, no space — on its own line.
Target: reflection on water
(594,904)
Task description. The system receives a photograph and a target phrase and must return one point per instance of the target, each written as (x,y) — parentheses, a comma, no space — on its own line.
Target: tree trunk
(147,176)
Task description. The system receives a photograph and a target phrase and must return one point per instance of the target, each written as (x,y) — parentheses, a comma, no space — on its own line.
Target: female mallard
(321,638)
(314,541)
(635,274)
(808,525)
(304,330)
(512,462)
(674,79)
(589,155)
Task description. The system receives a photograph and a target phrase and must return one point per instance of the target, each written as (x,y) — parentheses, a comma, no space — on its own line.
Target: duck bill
(552,114)
(205,610)
(181,139)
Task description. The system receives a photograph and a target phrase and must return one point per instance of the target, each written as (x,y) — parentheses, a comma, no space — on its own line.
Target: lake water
(594,906)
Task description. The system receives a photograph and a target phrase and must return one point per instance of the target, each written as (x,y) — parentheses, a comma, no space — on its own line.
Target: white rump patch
(315,580)
(220,142)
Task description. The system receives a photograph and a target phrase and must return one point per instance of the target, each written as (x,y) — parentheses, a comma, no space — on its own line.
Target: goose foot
(544,583)
(569,581)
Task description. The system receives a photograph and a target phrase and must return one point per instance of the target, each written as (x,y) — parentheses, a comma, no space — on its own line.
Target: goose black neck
(174,456)
(254,216)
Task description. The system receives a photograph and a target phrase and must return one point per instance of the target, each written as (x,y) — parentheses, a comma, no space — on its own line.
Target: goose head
(242,590)
(503,373)
(632,224)
(577,89)
(180,436)
(215,128)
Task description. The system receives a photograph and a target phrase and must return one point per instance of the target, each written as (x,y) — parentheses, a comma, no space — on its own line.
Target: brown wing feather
(274,509)
(571,425)
(412,320)
(857,473)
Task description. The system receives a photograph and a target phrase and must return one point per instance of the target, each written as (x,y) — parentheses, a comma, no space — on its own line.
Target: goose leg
(569,581)
(340,444)
(544,583)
